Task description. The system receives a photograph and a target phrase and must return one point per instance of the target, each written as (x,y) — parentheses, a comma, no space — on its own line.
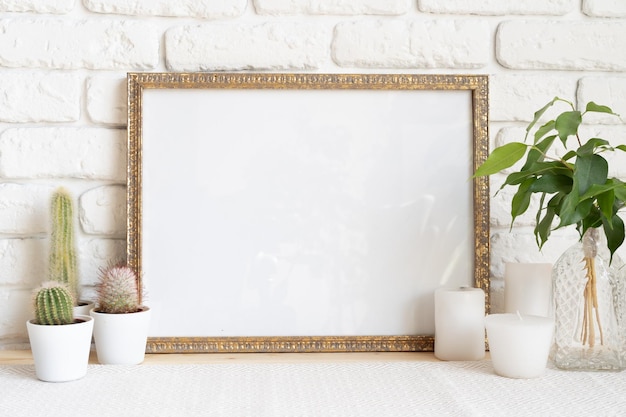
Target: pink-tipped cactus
(118,290)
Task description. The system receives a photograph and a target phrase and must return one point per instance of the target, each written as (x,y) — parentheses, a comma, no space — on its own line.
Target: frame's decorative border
(137,82)
(293,344)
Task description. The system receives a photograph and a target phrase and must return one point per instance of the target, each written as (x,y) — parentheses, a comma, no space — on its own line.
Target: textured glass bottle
(590,307)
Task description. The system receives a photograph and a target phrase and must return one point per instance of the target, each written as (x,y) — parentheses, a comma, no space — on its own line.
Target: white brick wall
(21,261)
(63,65)
(604,90)
(604,8)
(106,100)
(339,7)
(204,9)
(70,44)
(30,96)
(499,7)
(37,6)
(86,153)
(566,45)
(452,44)
(518,96)
(23,210)
(236,46)
(103,210)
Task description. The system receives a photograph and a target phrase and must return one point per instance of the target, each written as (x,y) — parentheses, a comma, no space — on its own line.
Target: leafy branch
(574,188)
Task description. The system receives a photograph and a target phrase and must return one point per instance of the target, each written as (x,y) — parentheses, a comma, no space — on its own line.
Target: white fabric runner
(311,389)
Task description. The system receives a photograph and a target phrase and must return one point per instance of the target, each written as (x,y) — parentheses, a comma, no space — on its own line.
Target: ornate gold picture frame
(304,212)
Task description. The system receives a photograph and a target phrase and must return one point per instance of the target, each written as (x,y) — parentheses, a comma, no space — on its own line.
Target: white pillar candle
(528,288)
(459,324)
(519,344)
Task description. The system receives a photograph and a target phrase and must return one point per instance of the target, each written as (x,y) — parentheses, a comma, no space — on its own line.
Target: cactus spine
(118,290)
(63,263)
(53,304)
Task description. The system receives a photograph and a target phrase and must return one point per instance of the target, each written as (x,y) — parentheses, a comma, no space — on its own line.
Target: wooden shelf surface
(15,357)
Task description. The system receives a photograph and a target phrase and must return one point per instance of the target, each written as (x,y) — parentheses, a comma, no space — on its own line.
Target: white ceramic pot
(83,308)
(121,338)
(61,352)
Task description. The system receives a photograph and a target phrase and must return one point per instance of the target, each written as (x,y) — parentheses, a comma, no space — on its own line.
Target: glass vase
(589,307)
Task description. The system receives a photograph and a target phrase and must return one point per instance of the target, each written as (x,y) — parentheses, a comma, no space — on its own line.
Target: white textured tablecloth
(312,389)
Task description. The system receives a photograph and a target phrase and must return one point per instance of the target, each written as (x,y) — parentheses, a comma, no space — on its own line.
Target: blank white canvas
(304,212)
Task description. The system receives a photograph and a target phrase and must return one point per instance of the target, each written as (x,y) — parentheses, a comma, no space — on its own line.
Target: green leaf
(567,124)
(552,184)
(516,178)
(620,190)
(597,189)
(538,115)
(591,145)
(501,158)
(593,219)
(538,219)
(537,152)
(550,168)
(605,202)
(621,147)
(569,155)
(543,130)
(591,106)
(544,227)
(572,211)
(541,201)
(614,231)
(556,201)
(591,169)
(539,170)
(521,199)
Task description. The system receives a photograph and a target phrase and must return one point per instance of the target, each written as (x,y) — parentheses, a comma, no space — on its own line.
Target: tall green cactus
(63,261)
(53,304)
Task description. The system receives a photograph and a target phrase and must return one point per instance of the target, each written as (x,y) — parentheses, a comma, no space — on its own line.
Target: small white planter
(61,352)
(83,308)
(121,338)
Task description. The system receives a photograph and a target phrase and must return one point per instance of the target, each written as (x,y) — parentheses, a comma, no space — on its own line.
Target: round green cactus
(118,290)
(53,304)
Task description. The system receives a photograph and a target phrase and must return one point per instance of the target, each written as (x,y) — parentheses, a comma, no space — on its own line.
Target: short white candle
(528,288)
(459,324)
(519,344)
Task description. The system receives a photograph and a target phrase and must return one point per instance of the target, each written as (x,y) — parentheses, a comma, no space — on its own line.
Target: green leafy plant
(53,304)
(63,258)
(118,290)
(573,189)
